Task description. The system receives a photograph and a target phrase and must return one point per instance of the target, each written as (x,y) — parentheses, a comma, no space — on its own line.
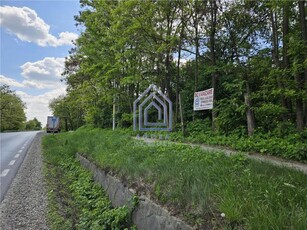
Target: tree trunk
(275,57)
(177,83)
(301,79)
(66,124)
(71,123)
(213,57)
(168,72)
(251,124)
(168,55)
(275,53)
(181,116)
(286,103)
(299,114)
(196,59)
(181,37)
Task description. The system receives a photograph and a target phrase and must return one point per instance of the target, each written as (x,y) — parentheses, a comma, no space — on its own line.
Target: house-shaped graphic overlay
(160,112)
(156,100)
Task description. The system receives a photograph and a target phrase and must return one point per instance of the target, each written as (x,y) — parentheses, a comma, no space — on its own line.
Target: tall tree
(213,28)
(251,52)
(302,7)
(301,76)
(286,11)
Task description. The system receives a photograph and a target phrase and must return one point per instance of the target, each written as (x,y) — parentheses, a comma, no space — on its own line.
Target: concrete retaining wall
(147,215)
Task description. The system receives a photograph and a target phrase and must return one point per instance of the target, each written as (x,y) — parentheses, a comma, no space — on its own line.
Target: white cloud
(27,26)
(10,81)
(66,38)
(44,73)
(37,106)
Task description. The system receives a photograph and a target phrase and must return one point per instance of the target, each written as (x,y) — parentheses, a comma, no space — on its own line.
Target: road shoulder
(25,204)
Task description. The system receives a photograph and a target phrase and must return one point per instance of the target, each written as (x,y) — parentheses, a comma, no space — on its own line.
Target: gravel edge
(25,204)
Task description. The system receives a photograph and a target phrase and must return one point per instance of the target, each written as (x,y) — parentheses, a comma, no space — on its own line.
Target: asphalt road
(14,147)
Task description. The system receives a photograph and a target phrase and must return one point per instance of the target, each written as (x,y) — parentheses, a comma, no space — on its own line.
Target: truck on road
(53,124)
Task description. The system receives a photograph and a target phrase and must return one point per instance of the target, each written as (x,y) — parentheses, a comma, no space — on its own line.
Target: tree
(213,54)
(33,124)
(252,52)
(12,113)
(301,65)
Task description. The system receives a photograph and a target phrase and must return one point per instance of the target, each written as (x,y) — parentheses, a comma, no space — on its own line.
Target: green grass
(199,186)
(292,147)
(74,200)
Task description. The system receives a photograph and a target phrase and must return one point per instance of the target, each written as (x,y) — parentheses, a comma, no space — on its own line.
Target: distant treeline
(12,112)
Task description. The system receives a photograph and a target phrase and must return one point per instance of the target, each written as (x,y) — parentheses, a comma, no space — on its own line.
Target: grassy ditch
(207,190)
(74,200)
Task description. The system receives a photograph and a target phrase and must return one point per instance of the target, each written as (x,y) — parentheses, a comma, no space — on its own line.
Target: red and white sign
(203,99)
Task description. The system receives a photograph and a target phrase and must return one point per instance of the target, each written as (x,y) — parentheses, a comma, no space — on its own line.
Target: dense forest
(253,53)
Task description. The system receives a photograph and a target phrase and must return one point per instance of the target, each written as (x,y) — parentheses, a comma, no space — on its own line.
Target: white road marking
(12,162)
(20,151)
(22,147)
(17,155)
(4,172)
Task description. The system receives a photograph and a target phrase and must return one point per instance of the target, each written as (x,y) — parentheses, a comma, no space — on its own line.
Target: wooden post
(181,115)
(114,108)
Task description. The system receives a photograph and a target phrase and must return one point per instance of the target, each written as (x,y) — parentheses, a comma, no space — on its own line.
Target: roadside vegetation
(205,189)
(282,142)
(74,200)
(292,148)
(253,53)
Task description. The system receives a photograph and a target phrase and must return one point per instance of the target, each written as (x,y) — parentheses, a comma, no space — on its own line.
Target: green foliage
(200,185)
(70,109)
(126,119)
(199,126)
(283,141)
(127,45)
(33,124)
(269,115)
(12,108)
(75,201)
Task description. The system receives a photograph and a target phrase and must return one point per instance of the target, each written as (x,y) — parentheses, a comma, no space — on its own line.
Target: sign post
(203,100)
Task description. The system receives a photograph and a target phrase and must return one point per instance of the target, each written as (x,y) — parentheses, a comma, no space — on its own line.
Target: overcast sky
(35,39)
